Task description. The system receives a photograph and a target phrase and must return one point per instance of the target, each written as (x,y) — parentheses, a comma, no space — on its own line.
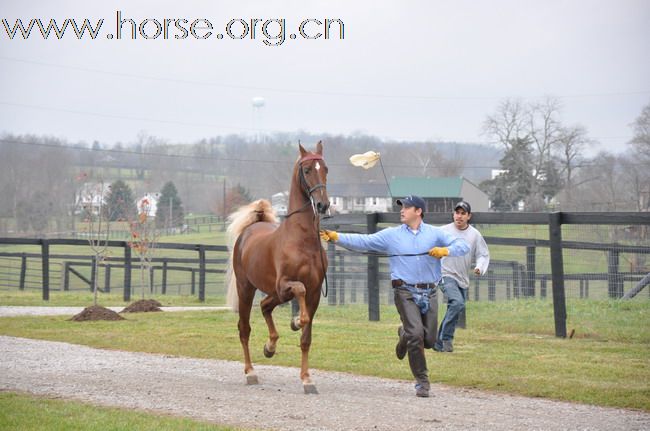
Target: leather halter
(303,180)
(305,186)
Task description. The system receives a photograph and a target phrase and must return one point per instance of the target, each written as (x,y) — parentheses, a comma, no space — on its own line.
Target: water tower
(258,103)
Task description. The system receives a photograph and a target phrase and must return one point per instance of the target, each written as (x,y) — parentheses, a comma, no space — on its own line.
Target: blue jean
(456,297)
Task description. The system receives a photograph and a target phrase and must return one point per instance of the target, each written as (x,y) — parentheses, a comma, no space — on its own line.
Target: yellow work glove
(329,235)
(439,252)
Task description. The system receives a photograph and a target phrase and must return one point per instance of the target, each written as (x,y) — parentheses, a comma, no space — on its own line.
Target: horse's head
(312,174)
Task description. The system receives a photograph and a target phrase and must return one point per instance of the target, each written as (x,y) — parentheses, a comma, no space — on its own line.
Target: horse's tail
(258,211)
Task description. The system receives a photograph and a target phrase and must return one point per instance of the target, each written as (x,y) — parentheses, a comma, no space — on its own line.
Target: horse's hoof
(268,353)
(294,323)
(251,379)
(310,388)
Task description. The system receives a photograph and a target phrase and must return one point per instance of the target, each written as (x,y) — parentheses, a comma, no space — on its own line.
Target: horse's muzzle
(322,207)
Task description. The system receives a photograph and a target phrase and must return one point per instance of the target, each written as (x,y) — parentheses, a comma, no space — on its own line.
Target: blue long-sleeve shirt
(401,240)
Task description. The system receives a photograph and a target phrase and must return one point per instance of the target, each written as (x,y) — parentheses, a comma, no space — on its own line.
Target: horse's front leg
(305,343)
(297,290)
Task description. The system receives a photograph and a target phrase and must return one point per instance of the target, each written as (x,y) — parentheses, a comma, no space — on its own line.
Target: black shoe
(400,348)
(421,391)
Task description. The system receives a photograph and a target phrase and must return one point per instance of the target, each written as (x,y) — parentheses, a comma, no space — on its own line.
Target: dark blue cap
(411,201)
(464,205)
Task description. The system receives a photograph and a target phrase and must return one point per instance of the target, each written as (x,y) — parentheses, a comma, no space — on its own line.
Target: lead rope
(320,246)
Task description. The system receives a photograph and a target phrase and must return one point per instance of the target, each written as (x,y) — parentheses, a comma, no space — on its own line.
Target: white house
(91,197)
(359,198)
(151,203)
(280,203)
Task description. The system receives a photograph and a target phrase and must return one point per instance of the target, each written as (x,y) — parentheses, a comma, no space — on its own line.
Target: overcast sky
(422,70)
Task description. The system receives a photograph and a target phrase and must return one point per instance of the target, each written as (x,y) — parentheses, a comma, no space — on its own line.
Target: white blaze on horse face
(317,166)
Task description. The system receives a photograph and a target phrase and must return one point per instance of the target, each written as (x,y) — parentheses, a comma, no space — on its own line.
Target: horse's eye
(307,170)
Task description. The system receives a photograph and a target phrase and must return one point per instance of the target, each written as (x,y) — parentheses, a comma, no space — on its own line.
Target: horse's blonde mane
(257,211)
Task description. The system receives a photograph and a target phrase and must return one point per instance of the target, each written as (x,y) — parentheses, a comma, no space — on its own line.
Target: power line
(313,92)
(125,117)
(244,160)
(189,156)
(211,125)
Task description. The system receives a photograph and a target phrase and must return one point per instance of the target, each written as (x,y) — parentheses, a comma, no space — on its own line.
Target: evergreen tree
(120,203)
(507,189)
(169,195)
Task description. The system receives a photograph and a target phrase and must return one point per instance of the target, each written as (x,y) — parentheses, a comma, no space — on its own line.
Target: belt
(399,282)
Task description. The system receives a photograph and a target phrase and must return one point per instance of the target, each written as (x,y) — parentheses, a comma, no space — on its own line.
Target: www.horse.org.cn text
(270,31)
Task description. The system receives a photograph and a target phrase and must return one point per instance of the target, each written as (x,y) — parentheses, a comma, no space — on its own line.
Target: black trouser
(420,330)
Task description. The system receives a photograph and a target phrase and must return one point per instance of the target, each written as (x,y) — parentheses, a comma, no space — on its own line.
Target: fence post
(107,278)
(557,269)
(516,284)
(202,273)
(164,277)
(341,282)
(66,275)
(93,274)
(492,286)
(530,271)
(23,271)
(45,256)
(373,272)
(193,289)
(151,280)
(127,272)
(612,274)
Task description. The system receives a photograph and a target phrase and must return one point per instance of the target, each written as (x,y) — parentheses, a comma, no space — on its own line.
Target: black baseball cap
(411,201)
(464,205)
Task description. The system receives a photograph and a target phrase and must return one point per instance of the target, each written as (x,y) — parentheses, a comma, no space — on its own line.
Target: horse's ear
(319,148)
(302,150)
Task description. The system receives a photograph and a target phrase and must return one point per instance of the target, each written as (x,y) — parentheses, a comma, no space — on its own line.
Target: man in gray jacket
(455,272)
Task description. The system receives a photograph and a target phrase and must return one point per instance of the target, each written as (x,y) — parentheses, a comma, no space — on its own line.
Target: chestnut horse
(285,261)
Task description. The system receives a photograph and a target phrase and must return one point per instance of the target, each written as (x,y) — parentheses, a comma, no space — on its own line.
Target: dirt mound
(143,306)
(96,312)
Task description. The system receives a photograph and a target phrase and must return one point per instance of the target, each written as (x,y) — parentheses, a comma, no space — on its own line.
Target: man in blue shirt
(415,249)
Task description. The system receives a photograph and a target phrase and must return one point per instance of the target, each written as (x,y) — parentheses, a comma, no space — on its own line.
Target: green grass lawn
(85,298)
(508,346)
(32,413)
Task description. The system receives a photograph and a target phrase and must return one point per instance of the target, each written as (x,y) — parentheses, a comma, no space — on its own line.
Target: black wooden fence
(524,277)
(127,262)
(369,223)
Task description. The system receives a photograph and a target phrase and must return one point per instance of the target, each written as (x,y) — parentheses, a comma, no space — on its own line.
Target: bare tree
(544,130)
(144,238)
(641,140)
(570,146)
(507,124)
(98,231)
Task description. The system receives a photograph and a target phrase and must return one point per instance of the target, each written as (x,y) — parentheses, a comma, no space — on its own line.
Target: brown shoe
(400,348)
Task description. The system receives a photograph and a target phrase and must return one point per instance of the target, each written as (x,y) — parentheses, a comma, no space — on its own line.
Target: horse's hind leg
(268,305)
(246,295)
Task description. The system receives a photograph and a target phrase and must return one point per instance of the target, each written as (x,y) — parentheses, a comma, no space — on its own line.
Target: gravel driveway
(214,390)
